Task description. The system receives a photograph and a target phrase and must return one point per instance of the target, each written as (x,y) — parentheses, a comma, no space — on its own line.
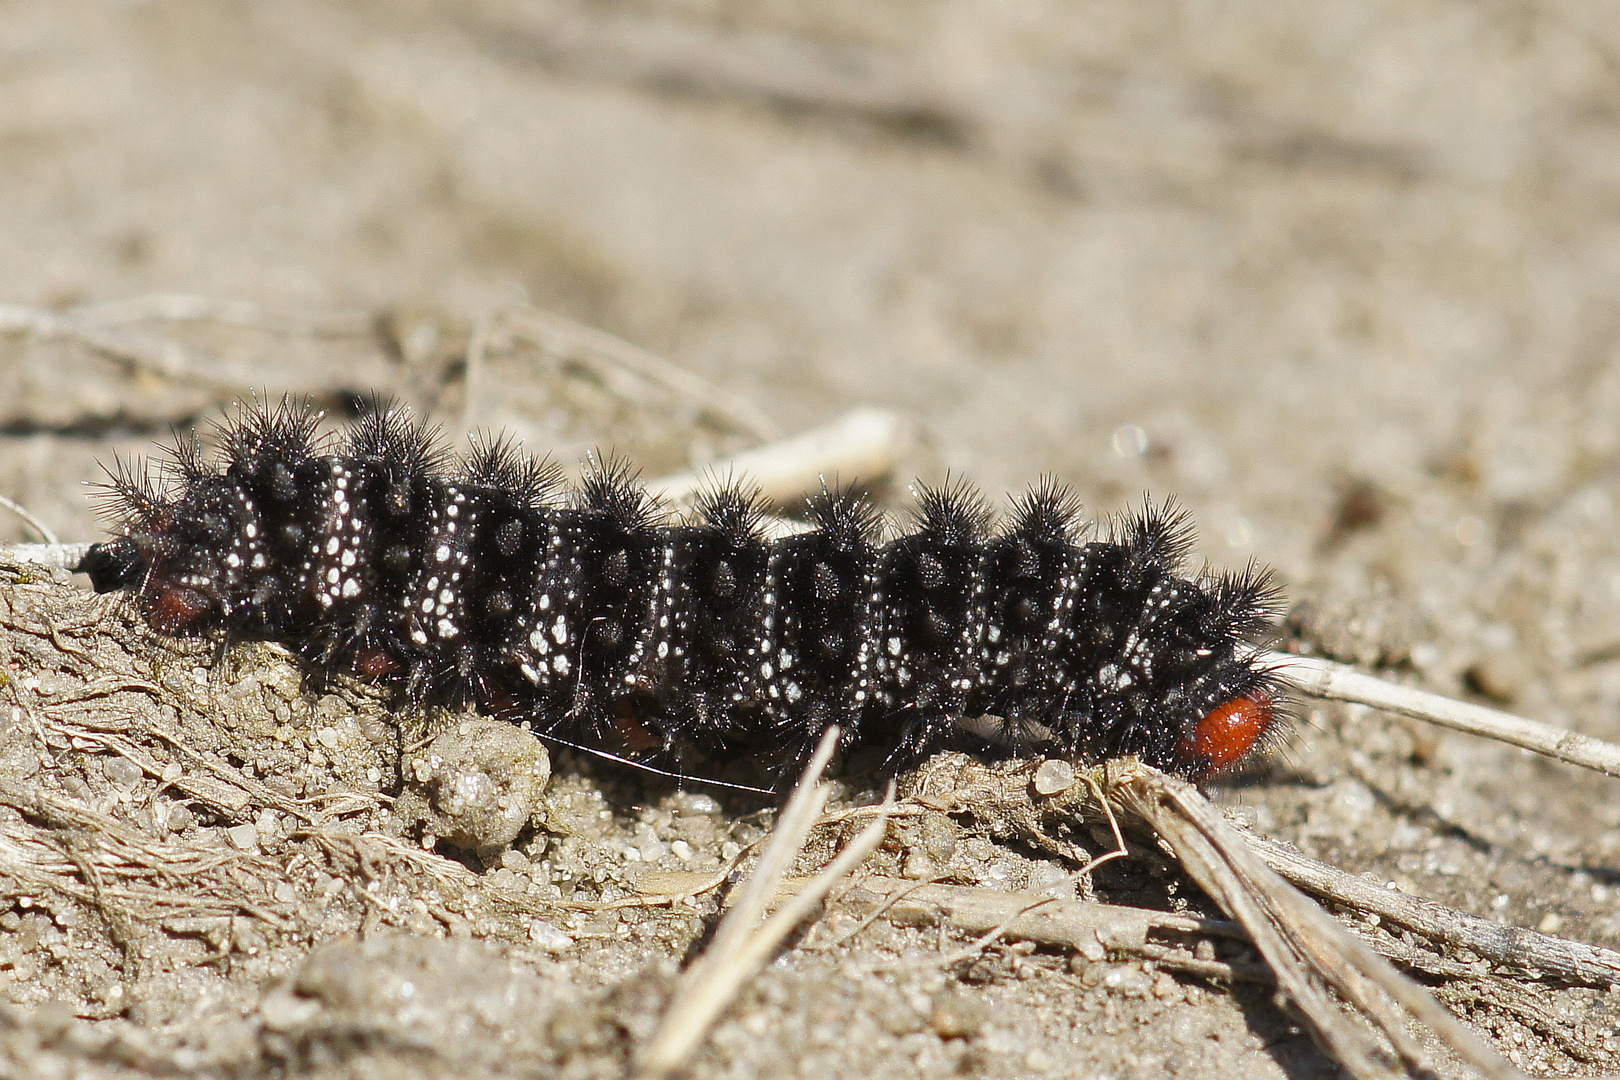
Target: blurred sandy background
(1342,276)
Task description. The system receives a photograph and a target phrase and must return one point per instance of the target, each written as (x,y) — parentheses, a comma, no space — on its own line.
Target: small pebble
(545,936)
(121,772)
(282,1010)
(1054,776)
(1038,1060)
(958,1016)
(478,785)
(244,837)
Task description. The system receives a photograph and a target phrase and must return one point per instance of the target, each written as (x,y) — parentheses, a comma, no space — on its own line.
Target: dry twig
(864,443)
(1339,682)
(1309,952)
(741,945)
(586,344)
(1533,954)
(27,515)
(184,307)
(140,352)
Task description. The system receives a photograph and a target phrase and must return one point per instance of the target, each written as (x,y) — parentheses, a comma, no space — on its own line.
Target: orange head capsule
(1231,731)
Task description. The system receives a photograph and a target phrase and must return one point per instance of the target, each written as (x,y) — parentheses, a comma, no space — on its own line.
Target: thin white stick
(1339,682)
(740,943)
(765,940)
(146,352)
(57,556)
(864,443)
(566,336)
(185,307)
(23,512)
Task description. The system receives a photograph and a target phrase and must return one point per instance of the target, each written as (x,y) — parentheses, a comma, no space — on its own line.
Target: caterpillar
(589,614)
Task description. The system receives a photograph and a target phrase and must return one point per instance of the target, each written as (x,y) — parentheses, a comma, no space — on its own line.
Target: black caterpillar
(588,615)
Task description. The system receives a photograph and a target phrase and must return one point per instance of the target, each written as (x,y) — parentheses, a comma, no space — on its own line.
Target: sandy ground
(1343,277)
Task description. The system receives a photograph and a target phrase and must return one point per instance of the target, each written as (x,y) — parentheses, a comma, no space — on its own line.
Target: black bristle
(733,509)
(499,463)
(1049,511)
(269,433)
(954,513)
(1161,535)
(390,435)
(610,486)
(590,615)
(130,495)
(848,518)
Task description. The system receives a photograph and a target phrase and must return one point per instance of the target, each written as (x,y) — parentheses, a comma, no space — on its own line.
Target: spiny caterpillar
(589,615)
